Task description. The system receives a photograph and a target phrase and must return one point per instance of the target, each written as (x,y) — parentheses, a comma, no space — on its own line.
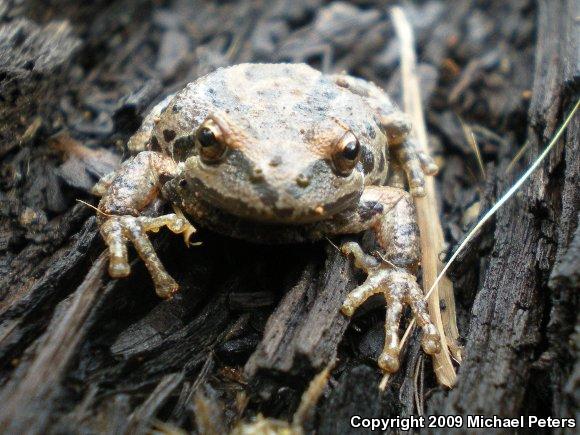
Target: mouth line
(272,214)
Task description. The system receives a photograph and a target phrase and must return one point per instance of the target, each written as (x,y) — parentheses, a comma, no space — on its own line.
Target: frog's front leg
(133,192)
(390,214)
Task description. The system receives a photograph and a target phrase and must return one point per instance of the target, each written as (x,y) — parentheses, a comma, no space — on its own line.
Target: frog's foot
(117,230)
(398,287)
(416,164)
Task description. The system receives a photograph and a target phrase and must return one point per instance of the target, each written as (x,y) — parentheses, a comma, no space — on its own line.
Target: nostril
(257,175)
(302,180)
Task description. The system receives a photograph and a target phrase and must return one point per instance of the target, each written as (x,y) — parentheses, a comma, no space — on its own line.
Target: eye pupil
(346,154)
(206,137)
(351,150)
(211,145)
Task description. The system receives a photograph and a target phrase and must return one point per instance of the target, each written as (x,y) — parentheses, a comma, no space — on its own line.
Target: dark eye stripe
(367,160)
(183,147)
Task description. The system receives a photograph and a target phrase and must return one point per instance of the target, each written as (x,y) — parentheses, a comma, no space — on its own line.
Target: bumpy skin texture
(276,153)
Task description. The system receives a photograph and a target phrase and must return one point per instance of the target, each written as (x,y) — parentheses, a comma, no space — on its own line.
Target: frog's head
(293,179)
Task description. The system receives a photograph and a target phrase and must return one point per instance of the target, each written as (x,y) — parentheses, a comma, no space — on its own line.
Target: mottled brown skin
(276,153)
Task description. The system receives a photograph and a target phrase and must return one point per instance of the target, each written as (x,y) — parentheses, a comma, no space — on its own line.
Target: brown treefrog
(277,153)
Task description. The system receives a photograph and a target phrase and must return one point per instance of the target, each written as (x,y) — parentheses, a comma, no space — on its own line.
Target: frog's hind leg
(391,275)
(135,188)
(406,152)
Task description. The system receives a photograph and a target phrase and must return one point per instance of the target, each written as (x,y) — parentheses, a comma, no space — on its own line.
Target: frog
(278,153)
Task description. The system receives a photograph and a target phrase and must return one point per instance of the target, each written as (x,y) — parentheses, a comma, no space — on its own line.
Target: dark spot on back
(168,135)
(371,131)
(367,160)
(176,108)
(183,148)
(155,144)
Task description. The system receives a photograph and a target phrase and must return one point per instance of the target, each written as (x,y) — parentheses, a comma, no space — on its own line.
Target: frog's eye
(346,154)
(210,141)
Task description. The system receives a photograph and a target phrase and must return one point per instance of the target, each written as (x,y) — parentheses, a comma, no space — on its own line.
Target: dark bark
(522,315)
(253,324)
(302,335)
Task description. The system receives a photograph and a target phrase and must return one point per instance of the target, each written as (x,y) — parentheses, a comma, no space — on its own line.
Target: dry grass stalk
(517,157)
(470,137)
(311,396)
(432,242)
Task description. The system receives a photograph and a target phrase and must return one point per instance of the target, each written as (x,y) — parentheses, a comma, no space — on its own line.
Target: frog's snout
(273,176)
(282,191)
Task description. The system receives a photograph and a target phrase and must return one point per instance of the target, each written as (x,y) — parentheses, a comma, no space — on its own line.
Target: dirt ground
(252,325)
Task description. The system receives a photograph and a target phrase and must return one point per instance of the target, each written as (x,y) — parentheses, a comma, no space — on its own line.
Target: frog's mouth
(268,208)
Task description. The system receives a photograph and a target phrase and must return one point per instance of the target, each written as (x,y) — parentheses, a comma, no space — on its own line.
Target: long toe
(119,269)
(389,362)
(112,231)
(165,286)
(430,342)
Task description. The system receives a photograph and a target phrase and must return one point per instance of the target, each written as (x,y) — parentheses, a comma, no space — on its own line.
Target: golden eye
(211,145)
(346,154)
